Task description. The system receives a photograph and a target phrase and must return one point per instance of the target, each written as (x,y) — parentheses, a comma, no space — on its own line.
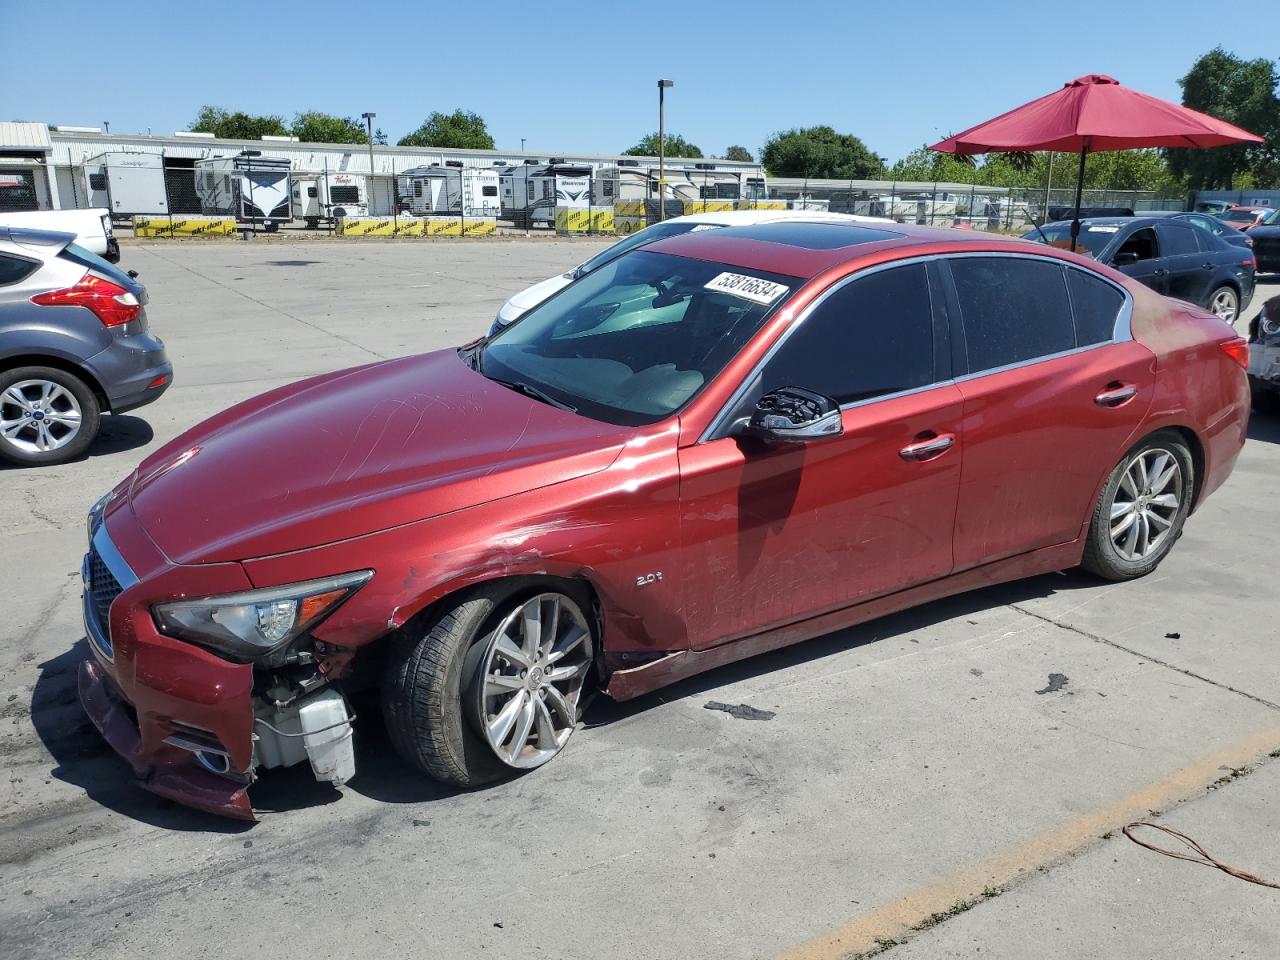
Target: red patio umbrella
(1094,113)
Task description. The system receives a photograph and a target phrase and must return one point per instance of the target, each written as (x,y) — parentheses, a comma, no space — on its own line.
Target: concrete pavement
(912,762)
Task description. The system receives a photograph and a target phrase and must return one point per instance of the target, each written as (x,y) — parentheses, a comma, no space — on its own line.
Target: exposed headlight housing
(257,626)
(94,519)
(1269,325)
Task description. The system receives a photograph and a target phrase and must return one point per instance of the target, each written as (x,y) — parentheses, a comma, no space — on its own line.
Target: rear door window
(1177,240)
(1012,310)
(1095,304)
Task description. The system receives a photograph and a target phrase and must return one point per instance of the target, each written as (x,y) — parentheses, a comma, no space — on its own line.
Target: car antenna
(1041,232)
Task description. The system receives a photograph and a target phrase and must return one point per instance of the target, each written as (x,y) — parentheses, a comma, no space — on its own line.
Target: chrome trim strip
(111,557)
(1121,332)
(99,634)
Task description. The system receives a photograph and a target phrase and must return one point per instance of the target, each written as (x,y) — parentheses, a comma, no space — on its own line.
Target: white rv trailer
(127,184)
(449,189)
(531,192)
(251,189)
(686,180)
(328,196)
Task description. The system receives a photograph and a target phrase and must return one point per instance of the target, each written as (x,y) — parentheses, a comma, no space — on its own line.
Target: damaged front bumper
(190,724)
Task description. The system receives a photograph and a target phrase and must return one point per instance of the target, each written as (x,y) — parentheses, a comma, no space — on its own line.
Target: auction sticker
(748,288)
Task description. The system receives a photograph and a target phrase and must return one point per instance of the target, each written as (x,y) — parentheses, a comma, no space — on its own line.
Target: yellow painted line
(895,919)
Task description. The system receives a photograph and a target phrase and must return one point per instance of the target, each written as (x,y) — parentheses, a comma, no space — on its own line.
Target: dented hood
(355,452)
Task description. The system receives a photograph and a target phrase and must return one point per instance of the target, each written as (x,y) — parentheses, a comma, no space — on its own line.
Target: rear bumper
(134,370)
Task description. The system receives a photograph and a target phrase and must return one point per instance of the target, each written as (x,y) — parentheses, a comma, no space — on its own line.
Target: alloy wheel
(1224,305)
(531,679)
(37,416)
(1146,504)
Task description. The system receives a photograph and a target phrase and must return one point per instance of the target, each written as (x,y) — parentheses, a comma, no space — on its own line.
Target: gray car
(74,345)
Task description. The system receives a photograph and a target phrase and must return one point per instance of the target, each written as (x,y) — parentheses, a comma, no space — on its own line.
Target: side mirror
(793,415)
(1125,258)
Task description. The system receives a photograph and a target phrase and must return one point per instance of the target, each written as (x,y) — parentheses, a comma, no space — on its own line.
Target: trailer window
(489,191)
(344,194)
(97,181)
(417,188)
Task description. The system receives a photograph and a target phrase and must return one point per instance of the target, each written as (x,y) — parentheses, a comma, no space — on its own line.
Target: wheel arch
(58,363)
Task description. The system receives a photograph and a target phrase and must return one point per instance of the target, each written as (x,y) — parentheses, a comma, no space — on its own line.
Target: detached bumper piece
(173,771)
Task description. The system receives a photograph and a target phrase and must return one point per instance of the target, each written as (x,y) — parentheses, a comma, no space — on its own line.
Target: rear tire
(47,416)
(1224,303)
(1142,509)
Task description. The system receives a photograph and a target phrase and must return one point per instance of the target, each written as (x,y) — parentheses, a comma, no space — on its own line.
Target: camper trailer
(686,180)
(127,184)
(532,192)
(253,189)
(449,189)
(328,196)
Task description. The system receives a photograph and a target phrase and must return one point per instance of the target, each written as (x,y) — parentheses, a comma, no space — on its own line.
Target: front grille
(99,593)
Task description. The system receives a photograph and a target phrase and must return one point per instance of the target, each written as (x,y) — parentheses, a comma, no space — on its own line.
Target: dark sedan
(1266,244)
(1169,255)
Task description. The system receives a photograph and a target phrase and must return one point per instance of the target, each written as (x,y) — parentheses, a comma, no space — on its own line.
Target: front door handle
(1206,266)
(1160,272)
(1116,395)
(927,447)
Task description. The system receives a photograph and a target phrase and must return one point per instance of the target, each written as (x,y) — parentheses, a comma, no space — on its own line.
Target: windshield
(648,235)
(1093,236)
(637,339)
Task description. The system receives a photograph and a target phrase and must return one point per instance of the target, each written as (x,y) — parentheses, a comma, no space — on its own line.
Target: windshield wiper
(519,386)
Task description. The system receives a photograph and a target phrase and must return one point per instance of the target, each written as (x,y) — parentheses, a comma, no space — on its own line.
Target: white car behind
(92,227)
(524,301)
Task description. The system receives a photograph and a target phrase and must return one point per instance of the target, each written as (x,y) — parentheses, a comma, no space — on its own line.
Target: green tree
(1239,91)
(819,152)
(379,136)
(237,126)
(738,153)
(316,127)
(461,130)
(674,144)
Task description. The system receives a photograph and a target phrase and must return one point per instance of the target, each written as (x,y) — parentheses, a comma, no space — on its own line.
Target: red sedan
(719,445)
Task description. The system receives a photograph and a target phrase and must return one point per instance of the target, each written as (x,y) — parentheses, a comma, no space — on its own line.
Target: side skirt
(626,684)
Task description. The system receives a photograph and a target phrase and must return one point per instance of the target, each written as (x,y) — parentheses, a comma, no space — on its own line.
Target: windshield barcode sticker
(748,288)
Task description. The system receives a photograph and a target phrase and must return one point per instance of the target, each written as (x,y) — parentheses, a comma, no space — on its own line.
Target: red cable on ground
(1203,857)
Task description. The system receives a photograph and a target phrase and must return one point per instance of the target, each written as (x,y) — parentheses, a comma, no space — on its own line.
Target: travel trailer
(686,180)
(449,189)
(531,193)
(253,189)
(328,196)
(127,184)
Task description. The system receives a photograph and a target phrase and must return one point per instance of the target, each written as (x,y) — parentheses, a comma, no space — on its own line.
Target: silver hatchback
(74,344)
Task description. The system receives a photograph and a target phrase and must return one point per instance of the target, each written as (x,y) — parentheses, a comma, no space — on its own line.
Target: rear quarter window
(14,269)
(1095,304)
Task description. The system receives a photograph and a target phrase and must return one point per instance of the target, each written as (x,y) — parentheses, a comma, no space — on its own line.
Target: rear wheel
(491,685)
(1142,509)
(1224,303)
(47,416)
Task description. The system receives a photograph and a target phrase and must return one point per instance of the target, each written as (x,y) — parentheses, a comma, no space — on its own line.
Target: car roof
(32,238)
(806,249)
(743,218)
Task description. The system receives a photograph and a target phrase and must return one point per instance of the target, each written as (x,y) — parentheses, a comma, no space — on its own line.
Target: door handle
(1160,272)
(1206,266)
(1116,395)
(928,448)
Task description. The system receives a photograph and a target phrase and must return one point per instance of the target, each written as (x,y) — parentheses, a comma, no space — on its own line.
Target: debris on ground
(1056,682)
(1173,636)
(740,710)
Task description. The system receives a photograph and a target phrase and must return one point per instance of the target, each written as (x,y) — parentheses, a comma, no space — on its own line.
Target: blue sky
(895,74)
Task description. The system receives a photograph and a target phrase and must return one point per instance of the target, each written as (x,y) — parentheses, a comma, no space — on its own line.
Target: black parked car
(1221,230)
(1169,255)
(1266,243)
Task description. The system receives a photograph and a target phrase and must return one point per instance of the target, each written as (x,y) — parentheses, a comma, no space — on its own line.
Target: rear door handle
(1160,273)
(1206,266)
(1116,395)
(928,448)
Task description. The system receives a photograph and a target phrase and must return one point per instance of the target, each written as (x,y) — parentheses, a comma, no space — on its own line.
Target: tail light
(1251,262)
(1238,350)
(112,304)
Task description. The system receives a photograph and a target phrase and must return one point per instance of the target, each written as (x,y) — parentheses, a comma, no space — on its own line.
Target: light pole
(522,144)
(368,119)
(662,148)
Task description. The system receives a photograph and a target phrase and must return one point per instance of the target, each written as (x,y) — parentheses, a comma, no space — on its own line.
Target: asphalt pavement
(947,782)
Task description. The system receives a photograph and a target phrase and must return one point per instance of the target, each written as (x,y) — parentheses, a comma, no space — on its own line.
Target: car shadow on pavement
(117,434)
(82,758)
(605,711)
(1264,427)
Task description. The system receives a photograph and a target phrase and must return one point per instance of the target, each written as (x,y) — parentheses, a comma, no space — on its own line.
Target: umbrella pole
(1075,224)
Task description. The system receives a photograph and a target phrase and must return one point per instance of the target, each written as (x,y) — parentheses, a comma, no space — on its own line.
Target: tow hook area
(316,728)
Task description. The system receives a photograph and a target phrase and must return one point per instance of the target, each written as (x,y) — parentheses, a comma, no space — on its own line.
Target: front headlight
(258,625)
(1269,325)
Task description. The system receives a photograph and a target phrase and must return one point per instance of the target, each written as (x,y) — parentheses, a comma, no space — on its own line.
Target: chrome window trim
(99,634)
(1122,332)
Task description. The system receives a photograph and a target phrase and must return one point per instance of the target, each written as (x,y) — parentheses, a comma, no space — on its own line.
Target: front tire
(1143,507)
(489,685)
(47,416)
